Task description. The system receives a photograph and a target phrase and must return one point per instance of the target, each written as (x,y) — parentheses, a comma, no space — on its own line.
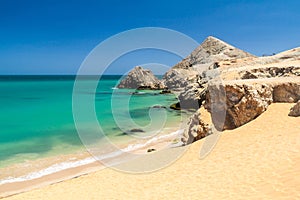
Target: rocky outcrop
(295,110)
(174,79)
(232,105)
(235,103)
(285,64)
(140,78)
(250,85)
(196,129)
(210,51)
(270,72)
(201,59)
(194,94)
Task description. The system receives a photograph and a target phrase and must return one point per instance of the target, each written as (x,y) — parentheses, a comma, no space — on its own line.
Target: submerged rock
(295,110)
(165,91)
(137,130)
(141,79)
(159,106)
(151,150)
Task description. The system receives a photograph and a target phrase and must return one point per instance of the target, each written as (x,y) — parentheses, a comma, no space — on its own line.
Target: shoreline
(161,142)
(256,161)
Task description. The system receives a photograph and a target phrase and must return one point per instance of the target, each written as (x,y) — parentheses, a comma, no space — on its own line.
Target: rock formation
(235,103)
(288,92)
(249,85)
(193,94)
(176,79)
(140,78)
(196,129)
(235,86)
(295,110)
(201,59)
(285,64)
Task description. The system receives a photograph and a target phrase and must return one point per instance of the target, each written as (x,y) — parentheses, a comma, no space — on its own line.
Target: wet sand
(260,160)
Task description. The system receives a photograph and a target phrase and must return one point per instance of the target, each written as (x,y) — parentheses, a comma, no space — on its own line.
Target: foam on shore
(72,164)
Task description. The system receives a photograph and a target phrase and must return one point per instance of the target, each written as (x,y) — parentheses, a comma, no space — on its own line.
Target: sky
(54,37)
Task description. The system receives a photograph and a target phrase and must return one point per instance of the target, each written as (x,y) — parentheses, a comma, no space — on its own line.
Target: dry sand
(260,160)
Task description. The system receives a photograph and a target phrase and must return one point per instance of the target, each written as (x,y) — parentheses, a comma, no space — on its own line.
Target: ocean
(37,130)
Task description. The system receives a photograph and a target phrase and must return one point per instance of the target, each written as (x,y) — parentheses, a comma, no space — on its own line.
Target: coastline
(258,160)
(158,143)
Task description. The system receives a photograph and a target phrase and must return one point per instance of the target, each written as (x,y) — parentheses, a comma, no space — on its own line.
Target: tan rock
(196,129)
(232,105)
(140,78)
(201,59)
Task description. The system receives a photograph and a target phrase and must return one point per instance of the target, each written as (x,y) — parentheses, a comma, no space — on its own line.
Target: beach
(259,160)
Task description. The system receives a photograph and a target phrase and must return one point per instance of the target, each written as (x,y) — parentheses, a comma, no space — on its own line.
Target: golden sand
(260,160)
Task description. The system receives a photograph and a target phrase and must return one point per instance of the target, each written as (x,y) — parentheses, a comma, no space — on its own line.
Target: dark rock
(287,92)
(175,106)
(295,110)
(151,150)
(136,130)
(158,106)
(165,91)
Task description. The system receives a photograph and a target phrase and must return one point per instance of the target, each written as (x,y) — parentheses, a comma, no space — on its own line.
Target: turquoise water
(36,117)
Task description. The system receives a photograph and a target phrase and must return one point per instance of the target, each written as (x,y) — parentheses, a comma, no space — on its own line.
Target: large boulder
(140,78)
(295,110)
(288,92)
(196,129)
(235,103)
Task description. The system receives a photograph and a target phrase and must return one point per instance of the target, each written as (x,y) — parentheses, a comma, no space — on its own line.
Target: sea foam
(72,164)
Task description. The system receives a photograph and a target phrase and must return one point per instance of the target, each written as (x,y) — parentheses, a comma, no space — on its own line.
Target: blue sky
(54,37)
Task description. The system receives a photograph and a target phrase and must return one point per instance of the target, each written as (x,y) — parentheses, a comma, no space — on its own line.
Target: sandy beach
(259,160)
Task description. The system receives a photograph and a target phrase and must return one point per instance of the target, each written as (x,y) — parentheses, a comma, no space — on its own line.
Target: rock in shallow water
(141,79)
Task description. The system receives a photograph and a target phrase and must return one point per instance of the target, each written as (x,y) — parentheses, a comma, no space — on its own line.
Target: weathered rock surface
(285,64)
(140,78)
(196,129)
(235,103)
(250,85)
(295,110)
(242,103)
(270,72)
(201,59)
(210,51)
(178,78)
(193,94)
(288,92)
